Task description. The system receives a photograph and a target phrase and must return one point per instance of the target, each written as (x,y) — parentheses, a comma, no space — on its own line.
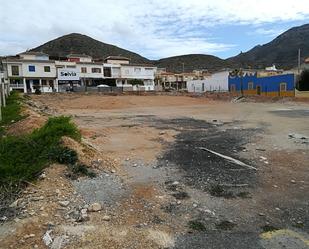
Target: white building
(215,82)
(33,71)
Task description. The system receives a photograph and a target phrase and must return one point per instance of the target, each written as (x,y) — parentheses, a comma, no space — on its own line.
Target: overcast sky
(154,29)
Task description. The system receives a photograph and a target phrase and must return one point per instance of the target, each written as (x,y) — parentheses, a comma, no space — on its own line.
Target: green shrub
(63,155)
(11,112)
(22,158)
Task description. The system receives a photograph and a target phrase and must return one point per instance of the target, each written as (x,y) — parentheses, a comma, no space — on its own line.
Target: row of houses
(35,71)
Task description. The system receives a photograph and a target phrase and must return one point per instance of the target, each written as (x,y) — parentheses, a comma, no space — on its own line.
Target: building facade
(34,71)
(253,84)
(216,82)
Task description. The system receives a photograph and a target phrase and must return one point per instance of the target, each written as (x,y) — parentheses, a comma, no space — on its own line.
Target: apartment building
(178,81)
(34,71)
(31,71)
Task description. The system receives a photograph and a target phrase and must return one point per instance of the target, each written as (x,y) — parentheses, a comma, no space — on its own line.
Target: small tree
(303,82)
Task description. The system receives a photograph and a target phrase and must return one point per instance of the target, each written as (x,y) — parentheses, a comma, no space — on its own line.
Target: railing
(17,86)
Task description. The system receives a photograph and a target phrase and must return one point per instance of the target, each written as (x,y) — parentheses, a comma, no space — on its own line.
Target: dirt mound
(89,155)
(32,121)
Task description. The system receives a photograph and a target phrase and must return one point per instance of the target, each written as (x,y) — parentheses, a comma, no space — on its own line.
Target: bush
(303,82)
(63,155)
(11,112)
(22,158)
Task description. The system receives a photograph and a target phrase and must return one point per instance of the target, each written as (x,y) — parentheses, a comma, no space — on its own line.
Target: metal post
(3,95)
(299,61)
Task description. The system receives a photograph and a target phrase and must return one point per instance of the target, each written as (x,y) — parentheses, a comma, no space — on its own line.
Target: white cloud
(152,28)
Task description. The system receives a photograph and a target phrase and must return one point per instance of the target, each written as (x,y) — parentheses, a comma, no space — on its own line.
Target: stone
(37,198)
(64,203)
(95,207)
(194,205)
(14,204)
(47,239)
(28,236)
(83,211)
(293,181)
(106,218)
(113,171)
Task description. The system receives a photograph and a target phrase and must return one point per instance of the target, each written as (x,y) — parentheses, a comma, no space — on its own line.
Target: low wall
(301,94)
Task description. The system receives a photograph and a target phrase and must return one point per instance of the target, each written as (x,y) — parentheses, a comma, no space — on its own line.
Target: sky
(154,29)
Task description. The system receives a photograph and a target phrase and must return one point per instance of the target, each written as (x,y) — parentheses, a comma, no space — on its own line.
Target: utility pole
(299,61)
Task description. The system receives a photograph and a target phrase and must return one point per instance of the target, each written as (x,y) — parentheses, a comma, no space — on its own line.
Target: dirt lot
(164,182)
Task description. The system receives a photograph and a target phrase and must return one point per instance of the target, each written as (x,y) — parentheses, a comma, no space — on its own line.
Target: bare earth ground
(158,184)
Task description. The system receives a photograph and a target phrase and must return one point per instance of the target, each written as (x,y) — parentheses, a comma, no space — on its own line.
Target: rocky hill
(282,51)
(82,44)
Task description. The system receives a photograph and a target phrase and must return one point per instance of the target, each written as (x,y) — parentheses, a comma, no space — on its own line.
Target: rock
(135,165)
(28,236)
(106,218)
(293,181)
(194,205)
(263,158)
(47,239)
(162,133)
(95,207)
(178,202)
(64,203)
(42,176)
(83,211)
(14,204)
(261,214)
(113,171)
(37,198)
(175,183)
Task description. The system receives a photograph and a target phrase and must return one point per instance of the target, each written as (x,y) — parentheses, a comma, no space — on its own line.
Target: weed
(219,191)
(269,228)
(63,155)
(196,225)
(81,169)
(225,225)
(244,195)
(181,195)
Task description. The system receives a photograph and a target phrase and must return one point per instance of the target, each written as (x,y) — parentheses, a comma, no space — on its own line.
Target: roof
(78,55)
(137,65)
(33,53)
(17,60)
(112,57)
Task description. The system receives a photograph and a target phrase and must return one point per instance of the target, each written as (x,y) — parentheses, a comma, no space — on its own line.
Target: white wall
(89,73)
(39,70)
(216,82)
(136,72)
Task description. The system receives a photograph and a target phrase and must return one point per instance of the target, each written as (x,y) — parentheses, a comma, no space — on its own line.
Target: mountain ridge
(281,51)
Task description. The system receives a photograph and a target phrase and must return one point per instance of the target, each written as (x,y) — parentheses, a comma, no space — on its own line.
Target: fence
(4,93)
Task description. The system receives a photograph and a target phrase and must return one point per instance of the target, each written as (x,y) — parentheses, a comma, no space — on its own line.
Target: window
(70,66)
(47,69)
(31,68)
(137,69)
(15,70)
(84,69)
(107,72)
(282,87)
(96,70)
(148,69)
(44,82)
(250,86)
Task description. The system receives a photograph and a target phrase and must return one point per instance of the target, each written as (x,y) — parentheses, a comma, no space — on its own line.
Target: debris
(64,203)
(95,207)
(28,236)
(47,238)
(233,160)
(106,218)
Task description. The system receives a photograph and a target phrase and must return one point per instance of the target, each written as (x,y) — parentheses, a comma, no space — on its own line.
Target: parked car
(102,85)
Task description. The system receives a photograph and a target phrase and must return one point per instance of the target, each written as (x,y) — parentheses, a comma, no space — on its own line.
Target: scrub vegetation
(22,158)
(12,111)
